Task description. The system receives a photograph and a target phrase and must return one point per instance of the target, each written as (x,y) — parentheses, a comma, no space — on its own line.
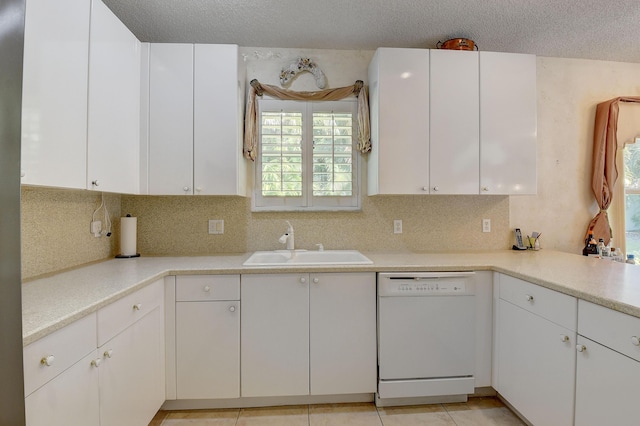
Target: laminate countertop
(53,302)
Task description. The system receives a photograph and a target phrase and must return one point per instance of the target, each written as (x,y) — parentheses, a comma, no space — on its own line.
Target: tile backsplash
(56,225)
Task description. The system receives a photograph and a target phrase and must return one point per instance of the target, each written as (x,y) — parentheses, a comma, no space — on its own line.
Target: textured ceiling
(591,29)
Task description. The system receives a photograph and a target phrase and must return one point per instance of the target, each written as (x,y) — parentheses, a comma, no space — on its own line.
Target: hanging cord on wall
(107,220)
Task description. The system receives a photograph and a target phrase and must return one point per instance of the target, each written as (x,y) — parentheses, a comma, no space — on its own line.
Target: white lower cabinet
(131,374)
(208,336)
(536,351)
(70,382)
(308,334)
(608,367)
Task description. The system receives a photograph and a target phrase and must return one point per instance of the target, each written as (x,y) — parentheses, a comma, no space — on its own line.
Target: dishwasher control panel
(425,284)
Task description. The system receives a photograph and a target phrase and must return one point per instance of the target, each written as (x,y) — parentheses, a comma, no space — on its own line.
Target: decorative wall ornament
(299,65)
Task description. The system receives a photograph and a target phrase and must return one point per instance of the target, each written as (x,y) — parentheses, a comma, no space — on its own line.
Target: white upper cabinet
(54,93)
(454,152)
(508,124)
(196,100)
(219,167)
(170,119)
(452,122)
(114,104)
(399,105)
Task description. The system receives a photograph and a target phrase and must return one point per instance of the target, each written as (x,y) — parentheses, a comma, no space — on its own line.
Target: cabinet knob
(529,298)
(485,189)
(564,338)
(581,348)
(198,189)
(95,182)
(186,188)
(96,362)
(425,188)
(23,173)
(108,353)
(303,280)
(206,289)
(635,340)
(48,360)
(316,280)
(232,308)
(137,306)
(436,188)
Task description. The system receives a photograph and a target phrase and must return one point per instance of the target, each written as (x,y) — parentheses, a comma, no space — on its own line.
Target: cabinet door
(208,349)
(508,125)
(607,386)
(536,366)
(454,155)
(132,373)
(114,104)
(399,97)
(275,335)
(170,119)
(343,354)
(69,399)
(54,93)
(219,167)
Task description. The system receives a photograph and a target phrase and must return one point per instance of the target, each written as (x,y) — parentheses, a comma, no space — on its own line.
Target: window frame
(308,202)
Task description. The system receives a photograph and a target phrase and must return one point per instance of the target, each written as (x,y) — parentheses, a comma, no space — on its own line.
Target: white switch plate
(486,225)
(216,226)
(397,226)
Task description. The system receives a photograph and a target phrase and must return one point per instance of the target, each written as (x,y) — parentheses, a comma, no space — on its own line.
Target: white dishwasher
(426,335)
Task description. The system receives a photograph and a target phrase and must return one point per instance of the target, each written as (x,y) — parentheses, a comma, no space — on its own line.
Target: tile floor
(477,412)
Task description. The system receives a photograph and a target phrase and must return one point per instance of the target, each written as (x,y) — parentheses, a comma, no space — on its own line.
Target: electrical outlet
(96,228)
(486,225)
(216,226)
(397,226)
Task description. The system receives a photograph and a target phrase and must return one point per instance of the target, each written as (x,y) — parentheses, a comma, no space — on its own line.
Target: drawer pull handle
(48,360)
(96,362)
(316,280)
(635,340)
(303,280)
(108,353)
(232,308)
(206,289)
(137,306)
(581,348)
(529,298)
(564,338)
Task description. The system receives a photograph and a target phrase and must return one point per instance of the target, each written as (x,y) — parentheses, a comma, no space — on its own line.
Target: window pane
(332,154)
(281,151)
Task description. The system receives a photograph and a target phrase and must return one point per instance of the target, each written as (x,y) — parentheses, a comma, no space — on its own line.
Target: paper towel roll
(128,235)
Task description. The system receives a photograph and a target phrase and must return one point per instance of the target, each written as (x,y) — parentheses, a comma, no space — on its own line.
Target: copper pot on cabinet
(457,44)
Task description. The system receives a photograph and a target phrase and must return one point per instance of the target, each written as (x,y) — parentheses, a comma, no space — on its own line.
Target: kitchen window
(306,157)
(632,197)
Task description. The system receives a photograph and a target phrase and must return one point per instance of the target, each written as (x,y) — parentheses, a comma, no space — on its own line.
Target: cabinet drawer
(613,329)
(556,307)
(64,348)
(114,318)
(207,287)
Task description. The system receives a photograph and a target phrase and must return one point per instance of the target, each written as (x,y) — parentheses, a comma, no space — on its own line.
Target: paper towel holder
(126,256)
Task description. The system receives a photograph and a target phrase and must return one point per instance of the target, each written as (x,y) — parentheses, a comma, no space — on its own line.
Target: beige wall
(568,91)
(55,228)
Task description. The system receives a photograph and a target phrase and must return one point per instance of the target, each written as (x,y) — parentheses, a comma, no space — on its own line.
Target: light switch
(216,226)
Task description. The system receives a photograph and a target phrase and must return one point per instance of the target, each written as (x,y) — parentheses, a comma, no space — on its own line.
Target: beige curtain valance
(258,89)
(605,169)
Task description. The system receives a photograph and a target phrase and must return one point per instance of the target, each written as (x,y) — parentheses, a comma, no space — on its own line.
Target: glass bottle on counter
(590,248)
(601,247)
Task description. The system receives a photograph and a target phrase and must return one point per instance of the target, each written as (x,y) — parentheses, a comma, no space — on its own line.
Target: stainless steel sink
(302,257)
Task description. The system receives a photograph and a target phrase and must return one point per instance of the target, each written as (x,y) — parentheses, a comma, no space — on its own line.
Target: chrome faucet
(287,237)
